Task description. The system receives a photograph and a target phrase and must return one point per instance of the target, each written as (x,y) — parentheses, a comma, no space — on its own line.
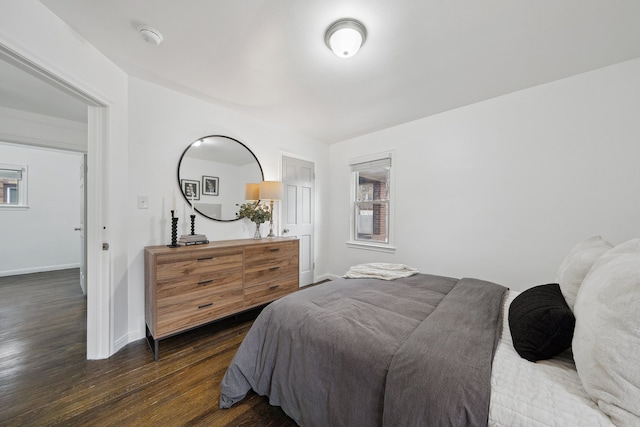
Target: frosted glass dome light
(345,37)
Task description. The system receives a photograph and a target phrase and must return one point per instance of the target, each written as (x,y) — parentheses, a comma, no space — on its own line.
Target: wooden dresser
(189,286)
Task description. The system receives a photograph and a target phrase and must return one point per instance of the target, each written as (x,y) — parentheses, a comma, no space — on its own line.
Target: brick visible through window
(371,203)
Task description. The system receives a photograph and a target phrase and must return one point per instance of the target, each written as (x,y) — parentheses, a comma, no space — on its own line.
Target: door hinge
(105,246)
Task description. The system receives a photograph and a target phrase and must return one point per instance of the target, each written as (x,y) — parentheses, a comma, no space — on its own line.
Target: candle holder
(193,224)
(174,231)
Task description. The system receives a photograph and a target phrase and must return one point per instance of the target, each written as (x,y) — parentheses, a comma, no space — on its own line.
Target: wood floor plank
(45,378)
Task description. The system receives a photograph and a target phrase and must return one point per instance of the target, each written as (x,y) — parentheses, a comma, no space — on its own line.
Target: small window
(13,186)
(371,202)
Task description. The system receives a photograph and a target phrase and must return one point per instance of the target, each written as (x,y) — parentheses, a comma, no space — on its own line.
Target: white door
(297,210)
(83,221)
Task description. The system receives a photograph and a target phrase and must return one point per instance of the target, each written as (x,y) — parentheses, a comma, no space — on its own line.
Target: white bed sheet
(545,393)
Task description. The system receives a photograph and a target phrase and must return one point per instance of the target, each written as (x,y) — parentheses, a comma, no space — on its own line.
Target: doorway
(99,317)
(43,223)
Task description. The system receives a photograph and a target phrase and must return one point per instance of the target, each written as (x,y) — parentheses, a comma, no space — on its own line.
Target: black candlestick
(174,232)
(193,225)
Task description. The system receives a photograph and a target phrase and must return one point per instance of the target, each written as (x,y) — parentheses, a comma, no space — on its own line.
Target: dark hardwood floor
(45,378)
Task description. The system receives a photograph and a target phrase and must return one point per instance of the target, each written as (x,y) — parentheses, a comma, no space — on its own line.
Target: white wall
(501,190)
(41,238)
(162,124)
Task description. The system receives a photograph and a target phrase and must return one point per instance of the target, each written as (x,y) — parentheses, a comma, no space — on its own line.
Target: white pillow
(606,340)
(575,266)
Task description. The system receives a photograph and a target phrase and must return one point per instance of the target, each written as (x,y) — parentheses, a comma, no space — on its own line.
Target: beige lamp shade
(271,190)
(252,192)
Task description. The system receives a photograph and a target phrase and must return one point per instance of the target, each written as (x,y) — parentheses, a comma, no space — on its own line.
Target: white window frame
(361,244)
(22,187)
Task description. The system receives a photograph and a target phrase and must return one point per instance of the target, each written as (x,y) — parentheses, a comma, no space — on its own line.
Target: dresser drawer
(211,282)
(172,266)
(197,294)
(267,274)
(270,291)
(196,308)
(265,256)
(267,263)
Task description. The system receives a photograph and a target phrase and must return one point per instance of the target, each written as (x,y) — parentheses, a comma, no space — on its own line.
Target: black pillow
(541,322)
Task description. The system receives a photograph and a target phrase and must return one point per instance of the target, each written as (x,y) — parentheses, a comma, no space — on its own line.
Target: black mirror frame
(185,152)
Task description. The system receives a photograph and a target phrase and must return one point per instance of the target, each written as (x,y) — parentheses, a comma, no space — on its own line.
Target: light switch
(143,202)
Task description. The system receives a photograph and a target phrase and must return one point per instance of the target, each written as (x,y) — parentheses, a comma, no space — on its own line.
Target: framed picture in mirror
(210,185)
(191,189)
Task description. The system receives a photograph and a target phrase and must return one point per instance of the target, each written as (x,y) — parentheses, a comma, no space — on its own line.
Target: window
(371,202)
(13,186)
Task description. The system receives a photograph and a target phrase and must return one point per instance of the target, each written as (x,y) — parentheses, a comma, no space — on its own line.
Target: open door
(83,220)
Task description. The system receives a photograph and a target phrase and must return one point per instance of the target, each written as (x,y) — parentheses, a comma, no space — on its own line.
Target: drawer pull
(274,268)
(205,282)
(205,259)
(274,249)
(205,305)
(272,287)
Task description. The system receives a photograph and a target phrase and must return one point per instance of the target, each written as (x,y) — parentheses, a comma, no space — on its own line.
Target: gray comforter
(364,352)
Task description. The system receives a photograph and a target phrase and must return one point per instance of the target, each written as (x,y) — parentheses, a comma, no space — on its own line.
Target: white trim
(371,157)
(380,247)
(374,246)
(126,339)
(38,269)
(99,288)
(41,70)
(296,156)
(9,208)
(326,276)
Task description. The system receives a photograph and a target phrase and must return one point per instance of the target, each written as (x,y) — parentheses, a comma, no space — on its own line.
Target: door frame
(99,310)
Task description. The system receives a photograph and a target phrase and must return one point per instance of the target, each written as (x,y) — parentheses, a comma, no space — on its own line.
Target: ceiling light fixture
(150,35)
(345,36)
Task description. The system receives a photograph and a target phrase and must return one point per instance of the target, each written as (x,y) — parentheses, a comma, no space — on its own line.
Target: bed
(433,350)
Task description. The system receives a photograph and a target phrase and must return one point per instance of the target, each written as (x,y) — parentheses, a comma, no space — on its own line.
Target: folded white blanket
(380,270)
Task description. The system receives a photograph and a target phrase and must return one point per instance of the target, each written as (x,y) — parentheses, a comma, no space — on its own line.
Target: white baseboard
(128,338)
(327,276)
(38,269)
(119,343)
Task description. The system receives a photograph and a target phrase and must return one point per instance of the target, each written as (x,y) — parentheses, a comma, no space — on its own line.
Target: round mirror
(212,174)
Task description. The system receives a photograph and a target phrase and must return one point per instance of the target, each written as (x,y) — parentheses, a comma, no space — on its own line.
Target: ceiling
(22,91)
(267,58)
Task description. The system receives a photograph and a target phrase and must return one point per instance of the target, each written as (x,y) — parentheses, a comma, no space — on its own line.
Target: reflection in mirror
(212,174)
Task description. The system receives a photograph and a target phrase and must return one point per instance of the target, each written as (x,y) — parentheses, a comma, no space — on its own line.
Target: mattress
(545,393)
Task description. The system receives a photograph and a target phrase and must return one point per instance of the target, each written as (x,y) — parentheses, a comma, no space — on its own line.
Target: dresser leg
(154,344)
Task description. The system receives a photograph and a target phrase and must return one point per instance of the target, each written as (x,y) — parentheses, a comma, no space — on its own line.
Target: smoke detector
(150,35)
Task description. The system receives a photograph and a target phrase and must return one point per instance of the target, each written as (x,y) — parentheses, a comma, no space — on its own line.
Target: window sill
(379,247)
(14,208)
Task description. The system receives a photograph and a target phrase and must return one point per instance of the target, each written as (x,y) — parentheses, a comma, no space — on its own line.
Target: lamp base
(271,233)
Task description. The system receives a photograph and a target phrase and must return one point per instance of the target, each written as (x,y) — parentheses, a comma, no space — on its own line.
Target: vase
(257,235)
